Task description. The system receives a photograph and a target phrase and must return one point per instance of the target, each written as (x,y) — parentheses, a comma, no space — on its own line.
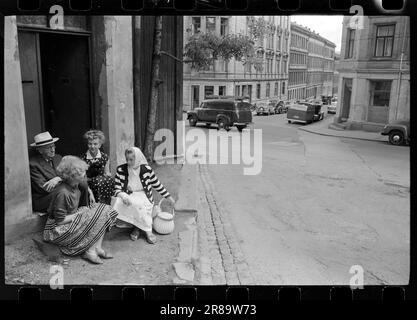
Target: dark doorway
(347,92)
(66,89)
(195,99)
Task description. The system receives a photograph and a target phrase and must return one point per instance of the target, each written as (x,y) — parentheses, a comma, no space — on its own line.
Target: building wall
(235,73)
(317,73)
(363,67)
(17,196)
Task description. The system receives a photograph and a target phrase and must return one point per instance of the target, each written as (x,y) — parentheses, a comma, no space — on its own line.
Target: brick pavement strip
(217,239)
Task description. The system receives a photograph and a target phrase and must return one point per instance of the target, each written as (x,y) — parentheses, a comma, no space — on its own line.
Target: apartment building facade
(233,77)
(374,72)
(311,68)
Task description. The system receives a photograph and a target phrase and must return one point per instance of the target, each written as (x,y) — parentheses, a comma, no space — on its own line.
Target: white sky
(329,27)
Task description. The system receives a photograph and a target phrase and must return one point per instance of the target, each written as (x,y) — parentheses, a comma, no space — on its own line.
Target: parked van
(304,112)
(223,112)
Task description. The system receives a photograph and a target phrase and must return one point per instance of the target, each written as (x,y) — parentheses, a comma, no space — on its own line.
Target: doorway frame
(342,100)
(94,116)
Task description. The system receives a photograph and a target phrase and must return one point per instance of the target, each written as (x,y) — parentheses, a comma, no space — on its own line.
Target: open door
(66,89)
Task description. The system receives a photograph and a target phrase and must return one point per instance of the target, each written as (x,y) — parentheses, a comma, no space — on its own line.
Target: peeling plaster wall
(18,203)
(114,80)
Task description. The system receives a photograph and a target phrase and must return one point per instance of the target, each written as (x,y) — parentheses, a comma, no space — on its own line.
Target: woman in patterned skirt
(77,229)
(98,173)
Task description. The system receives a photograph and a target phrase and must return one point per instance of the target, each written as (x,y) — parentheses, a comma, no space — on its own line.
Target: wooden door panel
(29,67)
(66,87)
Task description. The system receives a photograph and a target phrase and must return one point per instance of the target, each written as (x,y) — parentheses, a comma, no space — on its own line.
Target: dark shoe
(93,258)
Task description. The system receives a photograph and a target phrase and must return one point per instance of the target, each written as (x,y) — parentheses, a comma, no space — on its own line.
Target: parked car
(304,112)
(398,132)
(265,108)
(223,112)
(332,107)
(281,107)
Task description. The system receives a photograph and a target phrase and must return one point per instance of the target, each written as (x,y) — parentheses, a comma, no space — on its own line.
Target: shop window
(380,93)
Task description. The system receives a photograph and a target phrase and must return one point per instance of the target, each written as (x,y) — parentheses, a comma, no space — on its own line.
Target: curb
(187,195)
(339,136)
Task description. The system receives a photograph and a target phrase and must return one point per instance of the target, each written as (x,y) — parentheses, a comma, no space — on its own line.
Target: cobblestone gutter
(221,260)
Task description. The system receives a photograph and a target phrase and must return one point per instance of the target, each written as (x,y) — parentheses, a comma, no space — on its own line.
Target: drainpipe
(400,69)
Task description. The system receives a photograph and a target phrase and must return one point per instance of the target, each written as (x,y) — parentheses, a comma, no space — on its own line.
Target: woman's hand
(91,196)
(125,198)
(171,199)
(51,184)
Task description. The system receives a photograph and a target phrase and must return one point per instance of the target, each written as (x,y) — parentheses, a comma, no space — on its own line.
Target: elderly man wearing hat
(43,174)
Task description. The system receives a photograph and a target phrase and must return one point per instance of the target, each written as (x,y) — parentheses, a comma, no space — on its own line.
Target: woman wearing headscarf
(134,182)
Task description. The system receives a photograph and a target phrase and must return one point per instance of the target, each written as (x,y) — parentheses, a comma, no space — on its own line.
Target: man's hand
(51,184)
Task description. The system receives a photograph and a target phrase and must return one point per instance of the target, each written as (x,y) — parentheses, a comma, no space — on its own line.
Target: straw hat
(43,139)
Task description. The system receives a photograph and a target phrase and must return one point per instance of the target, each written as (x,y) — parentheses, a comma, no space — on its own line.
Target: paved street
(319,206)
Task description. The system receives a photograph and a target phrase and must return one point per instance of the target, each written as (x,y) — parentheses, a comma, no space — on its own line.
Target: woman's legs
(100,251)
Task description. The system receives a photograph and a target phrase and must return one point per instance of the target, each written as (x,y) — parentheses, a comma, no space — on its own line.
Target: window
(211,24)
(222,90)
(283,88)
(208,91)
(350,43)
(276,89)
(222,65)
(244,90)
(380,93)
(237,91)
(268,88)
(248,67)
(384,41)
(224,23)
(284,66)
(196,21)
(258,91)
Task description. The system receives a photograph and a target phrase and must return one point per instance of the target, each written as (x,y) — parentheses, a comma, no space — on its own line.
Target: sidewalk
(322,128)
(168,261)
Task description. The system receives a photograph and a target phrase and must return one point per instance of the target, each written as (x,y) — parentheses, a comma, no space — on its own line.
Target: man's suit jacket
(40,172)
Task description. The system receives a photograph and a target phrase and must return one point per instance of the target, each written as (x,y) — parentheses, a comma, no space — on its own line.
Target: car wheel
(240,128)
(396,138)
(222,123)
(289,121)
(193,121)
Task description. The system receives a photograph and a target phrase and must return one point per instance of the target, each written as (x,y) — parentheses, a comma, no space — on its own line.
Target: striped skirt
(89,225)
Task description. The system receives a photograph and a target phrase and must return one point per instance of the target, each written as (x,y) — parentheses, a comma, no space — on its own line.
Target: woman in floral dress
(98,173)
